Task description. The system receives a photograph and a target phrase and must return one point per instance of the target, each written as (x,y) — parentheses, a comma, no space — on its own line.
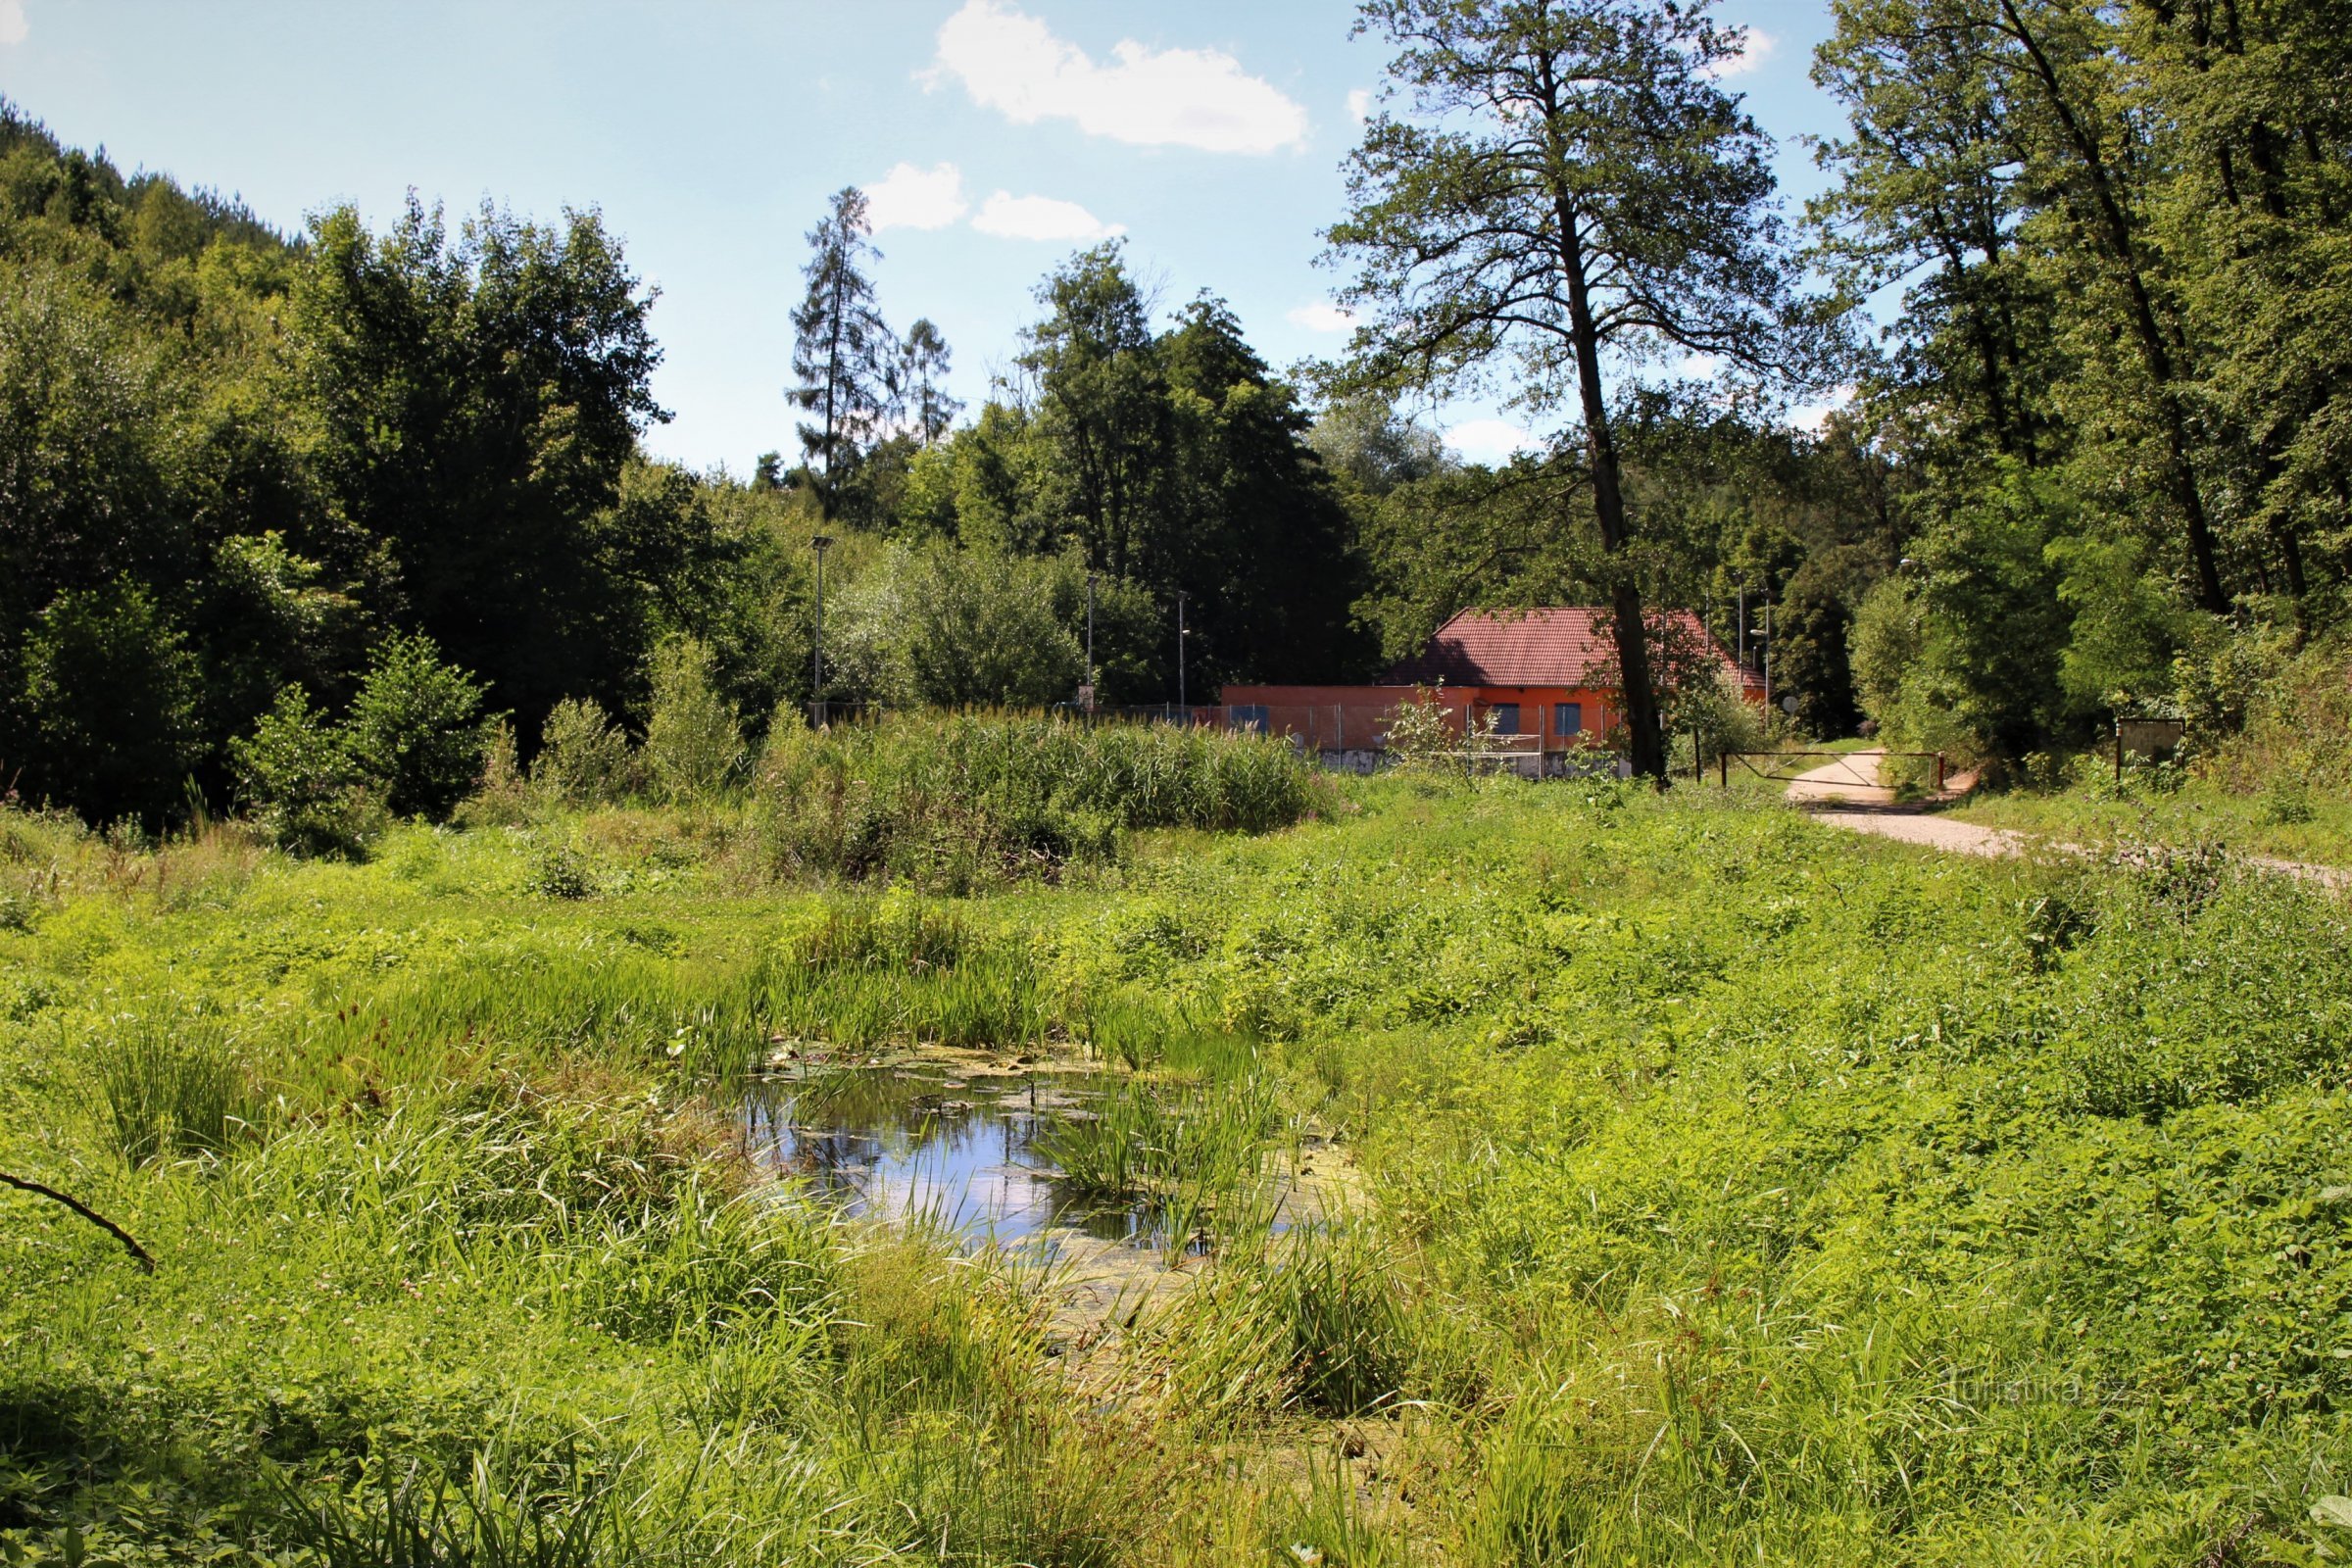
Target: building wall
(1347,718)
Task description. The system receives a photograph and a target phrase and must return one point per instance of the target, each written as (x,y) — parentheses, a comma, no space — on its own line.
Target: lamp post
(817,648)
(1182,632)
(1090,642)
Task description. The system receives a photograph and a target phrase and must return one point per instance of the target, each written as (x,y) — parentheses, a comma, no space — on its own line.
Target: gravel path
(1832,795)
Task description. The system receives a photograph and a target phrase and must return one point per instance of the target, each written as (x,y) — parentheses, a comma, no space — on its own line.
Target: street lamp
(1090,642)
(1182,632)
(817,648)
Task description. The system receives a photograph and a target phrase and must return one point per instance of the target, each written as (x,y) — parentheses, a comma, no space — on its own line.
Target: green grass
(1725,1190)
(2286,820)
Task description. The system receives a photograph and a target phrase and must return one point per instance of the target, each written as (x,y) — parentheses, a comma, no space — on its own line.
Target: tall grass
(965,800)
(174,1085)
(866,972)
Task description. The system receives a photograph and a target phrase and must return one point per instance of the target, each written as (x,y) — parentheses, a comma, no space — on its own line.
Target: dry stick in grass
(87,1212)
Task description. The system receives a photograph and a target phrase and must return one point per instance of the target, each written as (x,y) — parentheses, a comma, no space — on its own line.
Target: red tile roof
(1561,646)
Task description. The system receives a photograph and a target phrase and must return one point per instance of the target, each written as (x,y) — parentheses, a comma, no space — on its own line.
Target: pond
(952,1147)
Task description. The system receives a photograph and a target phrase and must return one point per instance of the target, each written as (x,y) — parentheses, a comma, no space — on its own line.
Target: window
(1248,716)
(1567,719)
(1506,718)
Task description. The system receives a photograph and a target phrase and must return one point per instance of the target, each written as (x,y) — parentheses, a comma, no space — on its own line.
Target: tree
(1371,449)
(1103,416)
(415,733)
(842,352)
(110,689)
(1577,188)
(921,381)
(693,740)
(1261,541)
(1984,123)
(476,400)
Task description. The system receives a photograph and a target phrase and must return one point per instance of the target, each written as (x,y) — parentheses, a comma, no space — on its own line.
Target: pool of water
(902,1143)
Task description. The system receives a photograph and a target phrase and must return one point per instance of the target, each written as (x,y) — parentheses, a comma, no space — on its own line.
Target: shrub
(583,756)
(1418,735)
(693,739)
(297,773)
(415,733)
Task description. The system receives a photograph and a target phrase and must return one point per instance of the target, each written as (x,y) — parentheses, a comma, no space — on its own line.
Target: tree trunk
(1645,744)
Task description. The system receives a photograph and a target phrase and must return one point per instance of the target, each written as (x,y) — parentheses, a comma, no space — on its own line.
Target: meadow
(1726,1189)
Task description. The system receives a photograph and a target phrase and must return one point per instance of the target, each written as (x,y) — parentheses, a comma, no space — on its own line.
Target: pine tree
(842,352)
(921,381)
(1575,185)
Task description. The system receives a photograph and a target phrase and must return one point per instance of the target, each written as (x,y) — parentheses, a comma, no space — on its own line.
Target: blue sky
(996,137)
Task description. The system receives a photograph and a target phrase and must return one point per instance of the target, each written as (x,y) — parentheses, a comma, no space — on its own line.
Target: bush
(583,756)
(416,735)
(174,1087)
(296,772)
(693,740)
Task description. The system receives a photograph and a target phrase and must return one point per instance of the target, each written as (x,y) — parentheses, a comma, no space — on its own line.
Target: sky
(994,137)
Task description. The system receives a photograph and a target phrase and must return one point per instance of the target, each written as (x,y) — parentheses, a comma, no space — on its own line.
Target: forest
(2072,299)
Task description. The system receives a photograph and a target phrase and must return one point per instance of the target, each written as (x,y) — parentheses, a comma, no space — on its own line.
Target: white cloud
(1010,217)
(1359,104)
(1487,440)
(12,26)
(1200,98)
(908,197)
(1322,317)
(1760,48)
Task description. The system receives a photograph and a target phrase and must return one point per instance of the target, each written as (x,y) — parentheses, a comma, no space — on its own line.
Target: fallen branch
(87,1212)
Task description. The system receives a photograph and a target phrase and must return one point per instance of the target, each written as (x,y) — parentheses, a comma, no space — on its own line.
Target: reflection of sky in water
(892,1145)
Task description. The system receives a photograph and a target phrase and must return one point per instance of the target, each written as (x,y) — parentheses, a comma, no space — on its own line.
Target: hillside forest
(2075,298)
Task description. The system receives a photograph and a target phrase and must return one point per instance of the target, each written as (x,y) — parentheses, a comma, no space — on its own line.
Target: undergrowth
(1716,1189)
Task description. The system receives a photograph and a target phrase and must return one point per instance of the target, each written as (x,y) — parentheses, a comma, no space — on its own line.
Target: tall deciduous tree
(1102,410)
(843,353)
(1574,187)
(476,399)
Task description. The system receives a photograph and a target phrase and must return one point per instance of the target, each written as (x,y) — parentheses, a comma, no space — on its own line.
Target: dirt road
(1836,792)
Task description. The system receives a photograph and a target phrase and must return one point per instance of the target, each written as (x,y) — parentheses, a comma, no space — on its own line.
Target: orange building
(1544,677)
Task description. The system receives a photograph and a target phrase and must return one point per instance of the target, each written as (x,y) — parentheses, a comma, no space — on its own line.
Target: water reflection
(894,1144)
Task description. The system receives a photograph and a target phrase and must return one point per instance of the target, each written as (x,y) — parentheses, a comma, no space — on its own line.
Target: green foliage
(416,734)
(1712,1187)
(297,772)
(1418,732)
(693,738)
(963,628)
(959,802)
(110,691)
(583,758)
(477,397)
(1971,656)
(174,1085)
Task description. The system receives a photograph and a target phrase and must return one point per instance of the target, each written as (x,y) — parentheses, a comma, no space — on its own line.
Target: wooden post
(1723,768)
(1939,772)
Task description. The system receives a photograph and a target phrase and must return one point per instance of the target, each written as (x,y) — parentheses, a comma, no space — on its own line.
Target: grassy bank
(1731,1190)
(2285,819)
